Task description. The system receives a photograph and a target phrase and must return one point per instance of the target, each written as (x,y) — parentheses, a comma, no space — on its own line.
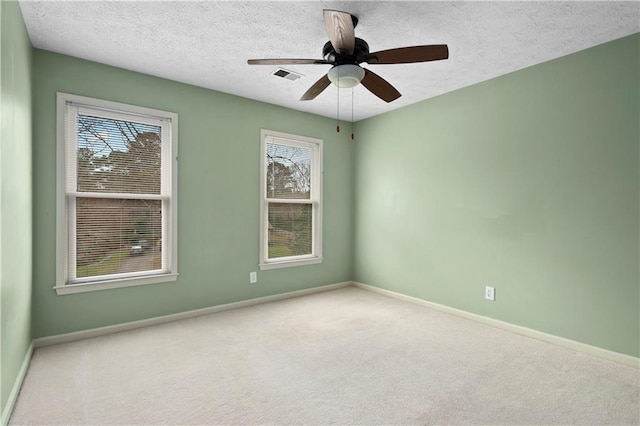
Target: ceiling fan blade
(379,86)
(286,61)
(341,30)
(407,55)
(317,88)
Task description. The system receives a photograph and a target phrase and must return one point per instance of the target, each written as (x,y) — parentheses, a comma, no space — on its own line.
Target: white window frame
(68,106)
(315,200)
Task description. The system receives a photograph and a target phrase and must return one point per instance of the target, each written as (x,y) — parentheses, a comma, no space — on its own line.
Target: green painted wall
(218,199)
(15,211)
(528,183)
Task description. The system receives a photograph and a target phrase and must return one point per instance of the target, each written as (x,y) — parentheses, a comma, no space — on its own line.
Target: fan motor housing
(360,49)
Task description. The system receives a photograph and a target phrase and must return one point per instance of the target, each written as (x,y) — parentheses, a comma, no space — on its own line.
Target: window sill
(118,283)
(290,263)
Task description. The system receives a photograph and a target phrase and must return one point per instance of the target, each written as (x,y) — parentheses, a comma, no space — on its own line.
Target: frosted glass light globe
(346,75)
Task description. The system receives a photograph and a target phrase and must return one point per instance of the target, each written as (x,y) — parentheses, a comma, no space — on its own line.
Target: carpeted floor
(347,356)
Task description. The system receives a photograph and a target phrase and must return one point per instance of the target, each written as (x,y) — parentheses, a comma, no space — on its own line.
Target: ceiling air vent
(289,75)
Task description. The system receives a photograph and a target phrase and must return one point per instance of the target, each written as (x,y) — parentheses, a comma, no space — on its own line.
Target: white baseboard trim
(101,331)
(15,390)
(624,359)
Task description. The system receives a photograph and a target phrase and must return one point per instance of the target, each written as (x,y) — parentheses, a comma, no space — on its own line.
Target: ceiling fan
(345,52)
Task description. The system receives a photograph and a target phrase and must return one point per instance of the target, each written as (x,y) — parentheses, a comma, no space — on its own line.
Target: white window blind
(119,201)
(291,199)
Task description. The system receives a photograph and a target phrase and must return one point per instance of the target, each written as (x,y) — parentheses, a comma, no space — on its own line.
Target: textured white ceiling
(207,43)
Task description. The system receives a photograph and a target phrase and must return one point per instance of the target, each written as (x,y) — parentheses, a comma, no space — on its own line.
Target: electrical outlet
(490,293)
(253,277)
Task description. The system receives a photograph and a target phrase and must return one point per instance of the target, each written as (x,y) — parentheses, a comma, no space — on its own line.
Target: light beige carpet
(347,356)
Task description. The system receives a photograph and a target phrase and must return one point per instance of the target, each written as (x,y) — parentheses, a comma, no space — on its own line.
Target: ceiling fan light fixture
(347,75)
(346,52)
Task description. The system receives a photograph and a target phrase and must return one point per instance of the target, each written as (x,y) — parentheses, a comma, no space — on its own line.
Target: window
(291,200)
(117,183)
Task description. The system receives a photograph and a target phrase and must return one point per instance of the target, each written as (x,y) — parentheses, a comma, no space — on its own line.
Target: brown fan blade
(340,29)
(379,86)
(317,88)
(407,55)
(286,61)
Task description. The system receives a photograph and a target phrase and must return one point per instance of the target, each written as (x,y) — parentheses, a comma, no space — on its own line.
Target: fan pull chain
(352,135)
(338,106)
